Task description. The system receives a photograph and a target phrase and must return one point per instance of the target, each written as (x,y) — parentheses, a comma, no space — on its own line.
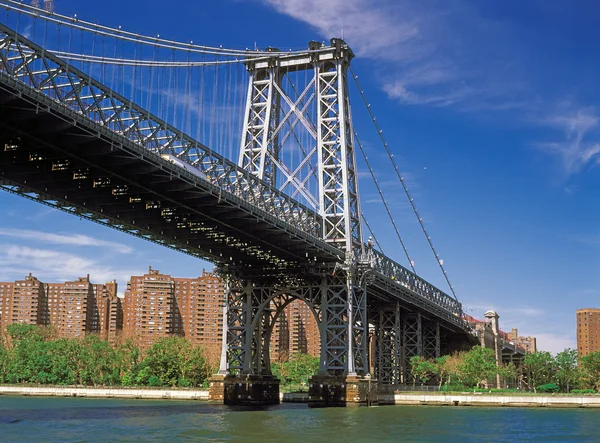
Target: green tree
(422,369)
(590,370)
(477,366)
(567,372)
(540,368)
(297,369)
(174,361)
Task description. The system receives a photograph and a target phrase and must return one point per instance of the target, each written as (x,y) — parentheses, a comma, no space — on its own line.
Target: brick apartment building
(74,309)
(295,331)
(158,305)
(588,331)
(23,301)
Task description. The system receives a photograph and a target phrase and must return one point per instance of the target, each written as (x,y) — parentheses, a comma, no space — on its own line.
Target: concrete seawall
(384,399)
(167,394)
(532,401)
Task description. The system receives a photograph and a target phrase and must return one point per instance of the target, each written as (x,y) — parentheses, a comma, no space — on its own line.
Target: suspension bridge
(141,134)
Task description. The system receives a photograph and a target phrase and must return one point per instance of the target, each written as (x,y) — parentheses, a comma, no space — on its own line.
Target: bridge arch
(268,313)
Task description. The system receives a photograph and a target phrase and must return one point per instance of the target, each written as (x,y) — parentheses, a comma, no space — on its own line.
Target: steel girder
(259,147)
(388,346)
(412,338)
(431,339)
(338,185)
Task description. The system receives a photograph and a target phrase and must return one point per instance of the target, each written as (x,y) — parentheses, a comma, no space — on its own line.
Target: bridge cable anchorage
(384,201)
(410,199)
(117,33)
(372,233)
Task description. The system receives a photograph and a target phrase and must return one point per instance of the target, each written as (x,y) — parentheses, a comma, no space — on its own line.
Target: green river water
(29,419)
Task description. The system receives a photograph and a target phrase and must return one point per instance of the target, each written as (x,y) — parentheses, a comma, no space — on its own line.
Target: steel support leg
(412,339)
(388,345)
(431,340)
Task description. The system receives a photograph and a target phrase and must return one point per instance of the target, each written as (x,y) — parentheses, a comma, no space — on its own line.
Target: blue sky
(490,109)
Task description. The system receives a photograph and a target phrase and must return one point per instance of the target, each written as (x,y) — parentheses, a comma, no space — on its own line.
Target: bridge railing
(29,64)
(403,277)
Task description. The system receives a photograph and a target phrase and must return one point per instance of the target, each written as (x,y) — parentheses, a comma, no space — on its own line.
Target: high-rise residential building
(23,301)
(149,310)
(588,331)
(158,305)
(296,331)
(200,305)
(78,314)
(528,343)
(6,290)
(79,308)
(110,311)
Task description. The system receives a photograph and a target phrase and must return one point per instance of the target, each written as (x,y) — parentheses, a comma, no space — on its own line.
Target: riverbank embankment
(476,399)
(75,391)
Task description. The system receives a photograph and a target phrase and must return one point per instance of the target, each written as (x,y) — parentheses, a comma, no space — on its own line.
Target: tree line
(34,354)
(539,372)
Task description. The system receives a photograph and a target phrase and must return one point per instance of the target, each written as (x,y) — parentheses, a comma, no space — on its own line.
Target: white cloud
(429,53)
(577,150)
(56,266)
(64,239)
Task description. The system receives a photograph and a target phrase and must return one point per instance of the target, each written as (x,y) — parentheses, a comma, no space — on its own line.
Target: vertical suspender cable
(410,199)
(383,200)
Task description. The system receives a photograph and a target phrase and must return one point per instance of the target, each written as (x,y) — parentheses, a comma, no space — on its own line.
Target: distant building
(296,331)
(75,309)
(158,305)
(148,309)
(527,343)
(588,331)
(23,301)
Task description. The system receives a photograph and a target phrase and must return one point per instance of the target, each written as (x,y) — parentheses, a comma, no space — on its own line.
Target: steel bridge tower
(335,292)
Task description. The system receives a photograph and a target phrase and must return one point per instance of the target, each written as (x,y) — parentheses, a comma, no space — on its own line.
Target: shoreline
(487,400)
(122,393)
(459,399)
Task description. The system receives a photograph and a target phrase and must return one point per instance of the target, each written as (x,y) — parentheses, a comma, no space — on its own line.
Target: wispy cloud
(431,51)
(54,265)
(453,54)
(64,239)
(579,147)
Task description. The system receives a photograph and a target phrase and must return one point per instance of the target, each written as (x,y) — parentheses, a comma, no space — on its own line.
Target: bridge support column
(412,339)
(388,360)
(431,339)
(343,378)
(244,376)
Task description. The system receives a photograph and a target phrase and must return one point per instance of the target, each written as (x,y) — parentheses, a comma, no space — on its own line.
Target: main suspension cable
(384,201)
(118,33)
(401,178)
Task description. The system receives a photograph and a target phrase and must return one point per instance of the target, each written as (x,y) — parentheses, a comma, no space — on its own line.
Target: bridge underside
(54,158)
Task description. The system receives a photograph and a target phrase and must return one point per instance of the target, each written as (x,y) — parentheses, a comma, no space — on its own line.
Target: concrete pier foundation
(250,390)
(330,391)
